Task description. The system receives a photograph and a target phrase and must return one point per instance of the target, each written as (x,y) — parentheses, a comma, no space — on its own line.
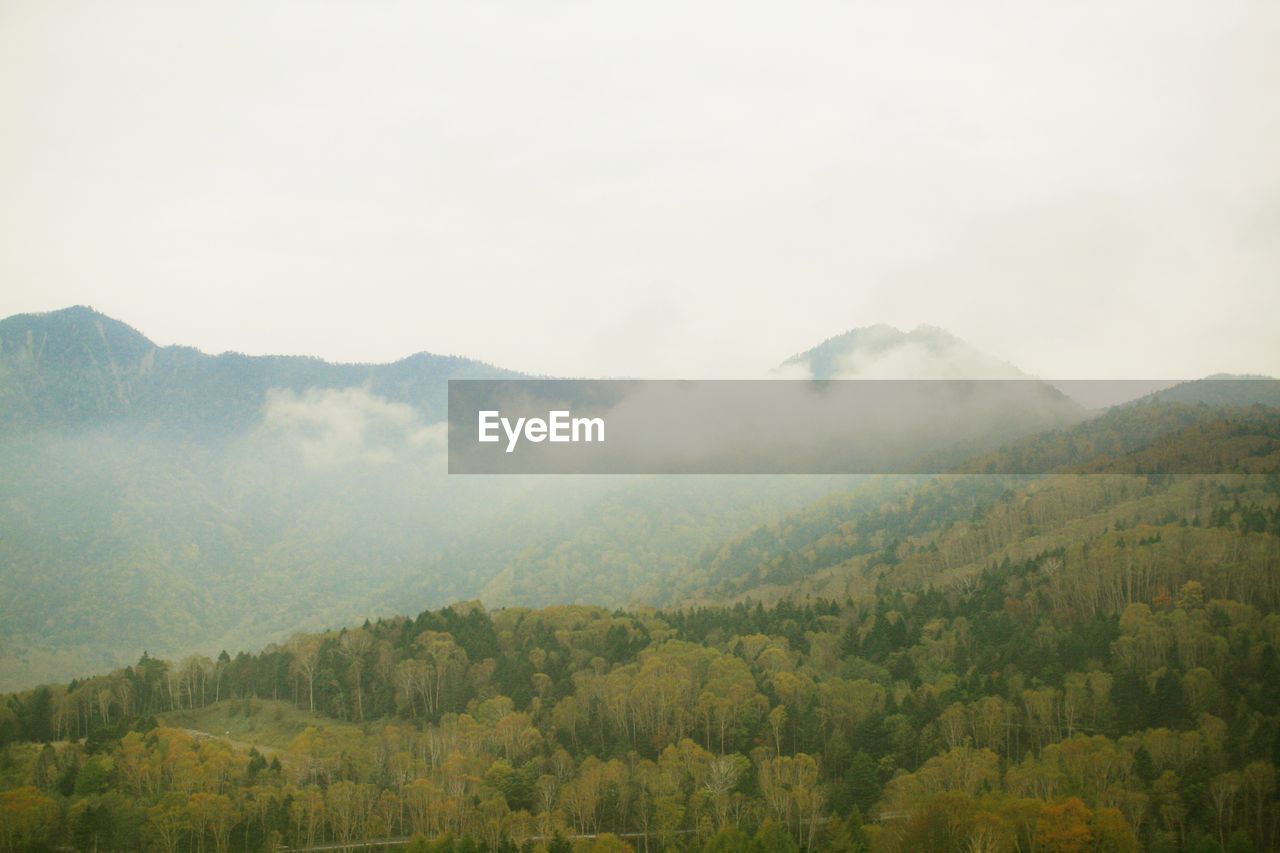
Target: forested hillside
(946,529)
(999,717)
(983,662)
(115,543)
(160,498)
(164,499)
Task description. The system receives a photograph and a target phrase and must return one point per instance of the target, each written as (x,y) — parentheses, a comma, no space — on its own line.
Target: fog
(657,189)
(332,507)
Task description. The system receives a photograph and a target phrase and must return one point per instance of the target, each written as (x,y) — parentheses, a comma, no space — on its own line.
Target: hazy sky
(651,188)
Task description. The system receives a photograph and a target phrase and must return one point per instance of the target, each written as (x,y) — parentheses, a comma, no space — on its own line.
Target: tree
(1258,782)
(305,652)
(27,817)
(167,823)
(943,822)
(214,814)
(353,646)
(606,843)
(1223,790)
(1064,827)
(772,838)
(1112,833)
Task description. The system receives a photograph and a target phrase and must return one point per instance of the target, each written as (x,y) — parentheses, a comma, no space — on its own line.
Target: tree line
(997,716)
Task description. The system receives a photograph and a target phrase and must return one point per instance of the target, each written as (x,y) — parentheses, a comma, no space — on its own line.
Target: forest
(998,713)
(979,661)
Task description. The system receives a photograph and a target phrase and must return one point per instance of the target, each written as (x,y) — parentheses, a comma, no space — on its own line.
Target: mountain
(976,660)
(76,367)
(161,499)
(1223,389)
(956,663)
(883,352)
(937,531)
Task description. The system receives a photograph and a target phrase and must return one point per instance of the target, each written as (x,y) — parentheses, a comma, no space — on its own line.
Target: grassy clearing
(254,721)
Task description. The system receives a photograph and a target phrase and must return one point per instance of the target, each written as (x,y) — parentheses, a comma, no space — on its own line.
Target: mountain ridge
(166,494)
(78,367)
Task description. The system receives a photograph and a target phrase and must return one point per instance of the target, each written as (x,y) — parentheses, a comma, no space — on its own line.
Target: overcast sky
(700,189)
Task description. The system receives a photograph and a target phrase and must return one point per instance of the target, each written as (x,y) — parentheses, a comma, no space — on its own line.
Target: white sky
(655,188)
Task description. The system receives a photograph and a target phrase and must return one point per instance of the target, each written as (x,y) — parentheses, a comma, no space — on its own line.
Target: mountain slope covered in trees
(161,499)
(1083,661)
(943,530)
(1000,712)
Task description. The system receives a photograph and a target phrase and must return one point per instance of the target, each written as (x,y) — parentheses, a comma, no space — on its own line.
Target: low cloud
(333,427)
(918,360)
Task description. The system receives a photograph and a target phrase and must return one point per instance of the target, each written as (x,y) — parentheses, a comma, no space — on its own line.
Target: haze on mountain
(164,499)
(160,498)
(952,658)
(881,351)
(884,352)
(77,367)
(884,638)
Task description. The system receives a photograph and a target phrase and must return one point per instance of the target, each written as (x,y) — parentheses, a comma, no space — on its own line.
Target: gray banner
(800,426)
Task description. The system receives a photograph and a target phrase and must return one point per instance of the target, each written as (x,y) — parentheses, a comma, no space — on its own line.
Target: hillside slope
(1082,661)
(162,499)
(941,531)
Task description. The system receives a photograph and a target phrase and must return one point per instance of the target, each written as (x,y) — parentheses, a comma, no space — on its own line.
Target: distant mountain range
(165,499)
(77,367)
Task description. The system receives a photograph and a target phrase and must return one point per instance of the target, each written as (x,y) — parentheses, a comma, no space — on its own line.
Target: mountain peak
(881,351)
(71,336)
(71,314)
